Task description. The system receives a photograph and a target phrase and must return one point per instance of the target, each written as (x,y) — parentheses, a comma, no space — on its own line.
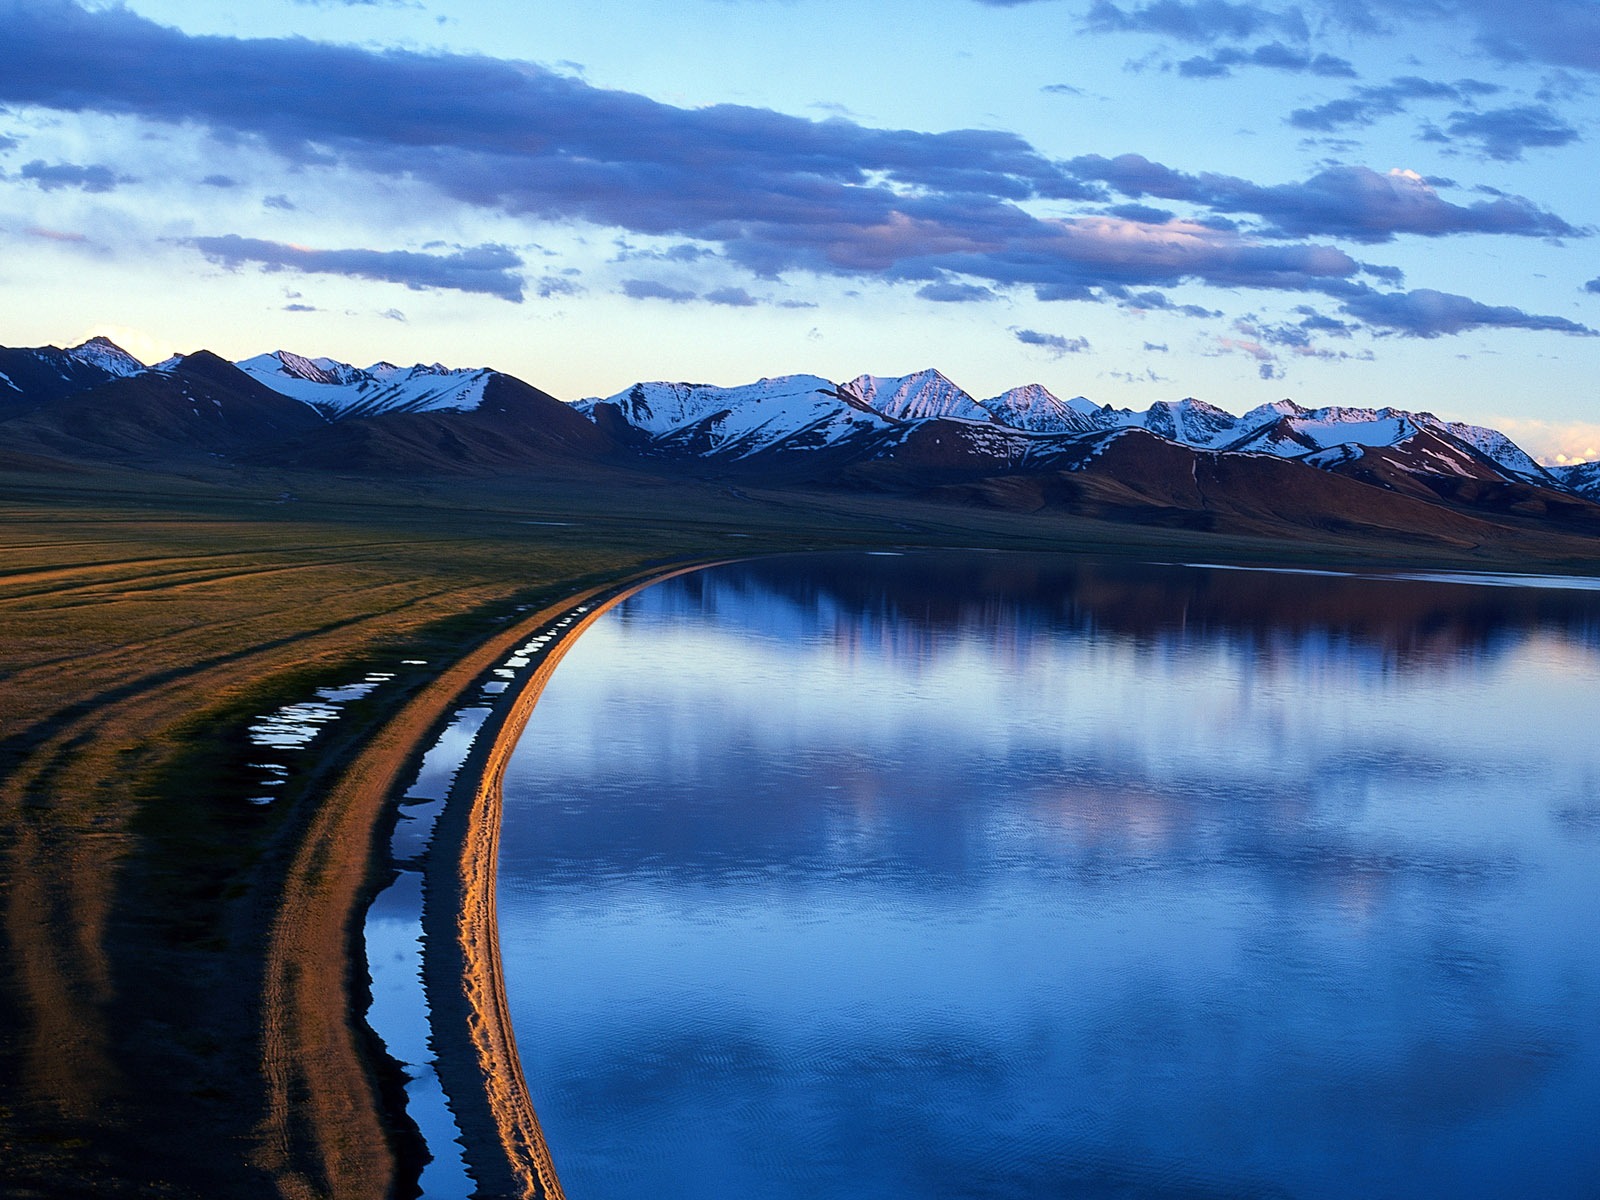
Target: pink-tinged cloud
(55,235)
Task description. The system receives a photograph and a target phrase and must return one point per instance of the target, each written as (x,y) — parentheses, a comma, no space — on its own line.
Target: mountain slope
(338,390)
(785,413)
(199,406)
(918,397)
(514,426)
(31,378)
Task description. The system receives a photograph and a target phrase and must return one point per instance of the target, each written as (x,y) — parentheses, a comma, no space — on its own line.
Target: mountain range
(1184,462)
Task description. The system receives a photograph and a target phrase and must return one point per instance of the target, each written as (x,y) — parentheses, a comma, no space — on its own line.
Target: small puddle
(295,726)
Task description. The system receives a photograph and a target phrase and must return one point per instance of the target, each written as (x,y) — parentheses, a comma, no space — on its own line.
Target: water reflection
(1015,876)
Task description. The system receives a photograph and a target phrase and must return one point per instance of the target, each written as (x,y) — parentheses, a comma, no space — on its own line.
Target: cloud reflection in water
(1005,876)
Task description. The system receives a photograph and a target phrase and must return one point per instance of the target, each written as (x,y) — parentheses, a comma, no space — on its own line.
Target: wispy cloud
(94,177)
(1196,20)
(1426,313)
(650,289)
(1505,133)
(1367,104)
(1347,201)
(488,270)
(1220,63)
(731,297)
(1057,345)
(946,291)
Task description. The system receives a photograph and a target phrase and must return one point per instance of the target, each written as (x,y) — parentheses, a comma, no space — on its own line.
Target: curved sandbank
(325,1130)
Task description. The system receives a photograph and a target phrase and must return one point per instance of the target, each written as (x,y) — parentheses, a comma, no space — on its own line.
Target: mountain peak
(338,389)
(100,351)
(919,396)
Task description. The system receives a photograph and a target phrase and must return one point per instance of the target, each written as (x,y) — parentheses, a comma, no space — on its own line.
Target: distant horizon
(1530,446)
(1352,202)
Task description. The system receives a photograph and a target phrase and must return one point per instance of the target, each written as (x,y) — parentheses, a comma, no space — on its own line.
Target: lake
(982,875)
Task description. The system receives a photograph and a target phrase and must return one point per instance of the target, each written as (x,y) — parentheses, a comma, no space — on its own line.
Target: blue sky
(1359,202)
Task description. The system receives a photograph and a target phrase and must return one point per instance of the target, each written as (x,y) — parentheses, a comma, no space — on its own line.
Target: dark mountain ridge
(1186,464)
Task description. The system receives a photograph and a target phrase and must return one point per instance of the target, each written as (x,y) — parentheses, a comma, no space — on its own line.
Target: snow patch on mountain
(789,411)
(1035,408)
(1582,478)
(109,357)
(339,390)
(915,397)
(1492,444)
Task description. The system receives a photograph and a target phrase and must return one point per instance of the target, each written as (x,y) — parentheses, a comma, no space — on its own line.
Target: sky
(1354,202)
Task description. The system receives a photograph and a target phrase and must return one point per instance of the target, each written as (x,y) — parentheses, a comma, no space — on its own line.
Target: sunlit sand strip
(489,1018)
(323,1133)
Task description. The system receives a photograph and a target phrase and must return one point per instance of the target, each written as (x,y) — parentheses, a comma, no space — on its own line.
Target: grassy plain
(175,993)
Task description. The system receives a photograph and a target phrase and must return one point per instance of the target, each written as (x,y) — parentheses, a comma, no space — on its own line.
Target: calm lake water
(997,876)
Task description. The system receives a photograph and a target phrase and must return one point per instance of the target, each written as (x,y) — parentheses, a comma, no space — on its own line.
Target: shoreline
(474,1044)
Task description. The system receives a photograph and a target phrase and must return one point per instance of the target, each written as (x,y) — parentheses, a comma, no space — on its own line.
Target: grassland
(176,995)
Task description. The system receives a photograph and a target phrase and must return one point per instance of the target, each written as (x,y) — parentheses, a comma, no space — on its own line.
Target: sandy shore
(474,1042)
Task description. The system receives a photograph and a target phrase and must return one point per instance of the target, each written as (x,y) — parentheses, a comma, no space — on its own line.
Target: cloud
(280,202)
(1553,443)
(1351,202)
(1562,33)
(1559,33)
(731,297)
(55,235)
(777,193)
(947,291)
(1055,343)
(556,285)
(1196,20)
(220,181)
(488,270)
(1365,105)
(8,143)
(1219,64)
(1592,286)
(1425,313)
(1267,364)
(1504,133)
(771,193)
(93,178)
(650,289)
(1159,302)
(301,308)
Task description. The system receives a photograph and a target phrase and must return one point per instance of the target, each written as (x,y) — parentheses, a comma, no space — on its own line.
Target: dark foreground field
(177,989)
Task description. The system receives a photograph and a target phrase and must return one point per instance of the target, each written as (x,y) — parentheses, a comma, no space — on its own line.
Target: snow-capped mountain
(102,353)
(1582,478)
(338,390)
(1492,443)
(915,397)
(37,375)
(1024,447)
(787,412)
(1033,407)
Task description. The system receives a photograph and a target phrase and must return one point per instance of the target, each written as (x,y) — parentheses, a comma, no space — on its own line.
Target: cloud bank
(961,214)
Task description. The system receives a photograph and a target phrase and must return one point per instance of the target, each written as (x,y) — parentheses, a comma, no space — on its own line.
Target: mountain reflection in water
(996,875)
